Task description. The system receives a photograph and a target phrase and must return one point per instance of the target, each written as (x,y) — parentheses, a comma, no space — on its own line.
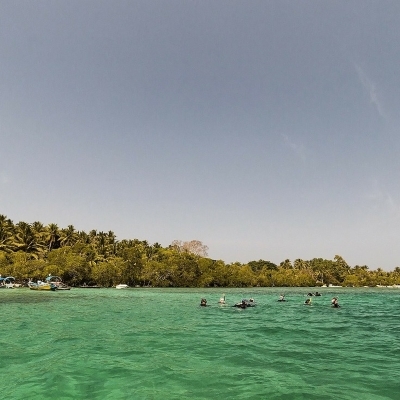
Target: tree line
(33,251)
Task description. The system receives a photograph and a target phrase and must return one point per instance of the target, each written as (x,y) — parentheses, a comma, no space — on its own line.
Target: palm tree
(68,236)
(112,242)
(152,250)
(286,264)
(340,268)
(25,240)
(83,237)
(102,244)
(6,234)
(53,236)
(40,233)
(93,236)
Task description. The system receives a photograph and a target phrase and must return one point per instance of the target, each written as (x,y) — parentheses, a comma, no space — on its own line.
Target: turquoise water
(159,344)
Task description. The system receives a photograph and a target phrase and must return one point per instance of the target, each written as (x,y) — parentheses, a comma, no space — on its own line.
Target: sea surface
(148,343)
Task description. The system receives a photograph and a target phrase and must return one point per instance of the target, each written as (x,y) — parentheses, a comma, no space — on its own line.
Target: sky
(265,129)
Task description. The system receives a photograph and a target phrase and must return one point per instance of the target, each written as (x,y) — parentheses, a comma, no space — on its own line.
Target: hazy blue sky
(265,129)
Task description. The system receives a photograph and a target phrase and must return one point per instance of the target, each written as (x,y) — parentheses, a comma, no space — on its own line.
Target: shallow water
(159,344)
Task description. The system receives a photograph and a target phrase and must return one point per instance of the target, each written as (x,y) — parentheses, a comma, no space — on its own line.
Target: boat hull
(41,287)
(122,286)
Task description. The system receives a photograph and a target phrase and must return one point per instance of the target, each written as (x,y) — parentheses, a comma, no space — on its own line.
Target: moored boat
(57,282)
(40,285)
(122,286)
(7,283)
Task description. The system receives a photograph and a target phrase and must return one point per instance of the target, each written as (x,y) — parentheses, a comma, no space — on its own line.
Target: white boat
(40,285)
(7,283)
(122,286)
(57,282)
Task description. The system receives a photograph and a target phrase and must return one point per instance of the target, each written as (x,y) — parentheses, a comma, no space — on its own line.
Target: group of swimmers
(334,302)
(242,304)
(251,303)
(245,303)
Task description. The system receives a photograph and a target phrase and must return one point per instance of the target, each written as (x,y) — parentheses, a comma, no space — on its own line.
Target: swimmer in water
(308,302)
(242,304)
(203,302)
(335,302)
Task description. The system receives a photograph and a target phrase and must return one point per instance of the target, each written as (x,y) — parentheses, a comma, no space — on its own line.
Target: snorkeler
(335,302)
(245,303)
(242,304)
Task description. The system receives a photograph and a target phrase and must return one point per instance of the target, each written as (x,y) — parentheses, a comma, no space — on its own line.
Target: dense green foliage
(32,251)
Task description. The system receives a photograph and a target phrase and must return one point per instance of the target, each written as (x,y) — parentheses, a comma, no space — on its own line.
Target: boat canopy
(53,278)
(7,278)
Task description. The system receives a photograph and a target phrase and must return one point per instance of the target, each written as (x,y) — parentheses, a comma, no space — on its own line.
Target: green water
(159,344)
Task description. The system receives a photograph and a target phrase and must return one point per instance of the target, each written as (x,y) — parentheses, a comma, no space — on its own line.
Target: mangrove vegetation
(33,251)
